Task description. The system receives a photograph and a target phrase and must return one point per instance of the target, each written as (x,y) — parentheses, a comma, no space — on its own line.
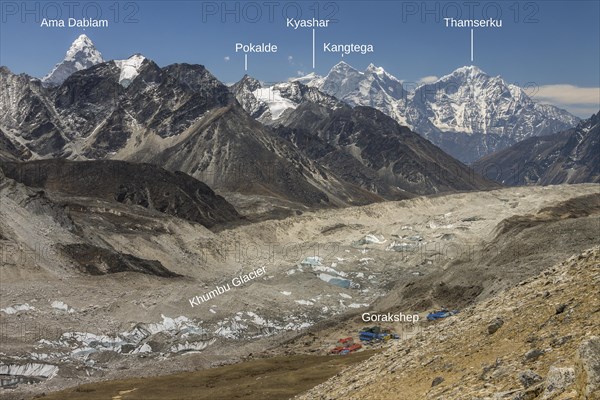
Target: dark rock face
(27,111)
(11,151)
(86,99)
(371,150)
(572,156)
(93,260)
(529,378)
(242,90)
(468,148)
(163,101)
(112,135)
(170,99)
(143,185)
(233,152)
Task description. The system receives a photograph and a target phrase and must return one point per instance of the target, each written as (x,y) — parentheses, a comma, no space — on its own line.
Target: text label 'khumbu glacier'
(220,289)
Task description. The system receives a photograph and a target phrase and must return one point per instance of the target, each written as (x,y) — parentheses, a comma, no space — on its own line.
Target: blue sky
(551,46)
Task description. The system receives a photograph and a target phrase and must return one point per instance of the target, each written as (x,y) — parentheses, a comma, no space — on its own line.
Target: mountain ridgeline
(467,113)
(571,156)
(343,139)
(182,118)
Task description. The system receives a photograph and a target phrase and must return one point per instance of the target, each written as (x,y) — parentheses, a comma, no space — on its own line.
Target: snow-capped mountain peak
(130,68)
(343,68)
(470,113)
(469,70)
(467,112)
(311,79)
(465,74)
(373,87)
(81,55)
(379,71)
(267,103)
(84,45)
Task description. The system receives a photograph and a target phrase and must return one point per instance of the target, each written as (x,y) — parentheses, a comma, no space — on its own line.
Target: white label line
(246,62)
(471,44)
(313,48)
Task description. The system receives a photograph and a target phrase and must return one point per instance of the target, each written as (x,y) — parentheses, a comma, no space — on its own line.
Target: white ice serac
(130,68)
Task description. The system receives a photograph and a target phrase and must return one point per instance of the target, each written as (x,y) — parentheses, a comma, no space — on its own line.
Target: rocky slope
(10,151)
(234,153)
(28,116)
(143,185)
(534,341)
(370,149)
(572,156)
(519,247)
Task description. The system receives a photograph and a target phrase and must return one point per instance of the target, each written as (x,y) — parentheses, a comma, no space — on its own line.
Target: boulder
(533,355)
(588,359)
(495,325)
(529,378)
(558,380)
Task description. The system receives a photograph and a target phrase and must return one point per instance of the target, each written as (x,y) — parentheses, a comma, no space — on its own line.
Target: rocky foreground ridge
(538,340)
